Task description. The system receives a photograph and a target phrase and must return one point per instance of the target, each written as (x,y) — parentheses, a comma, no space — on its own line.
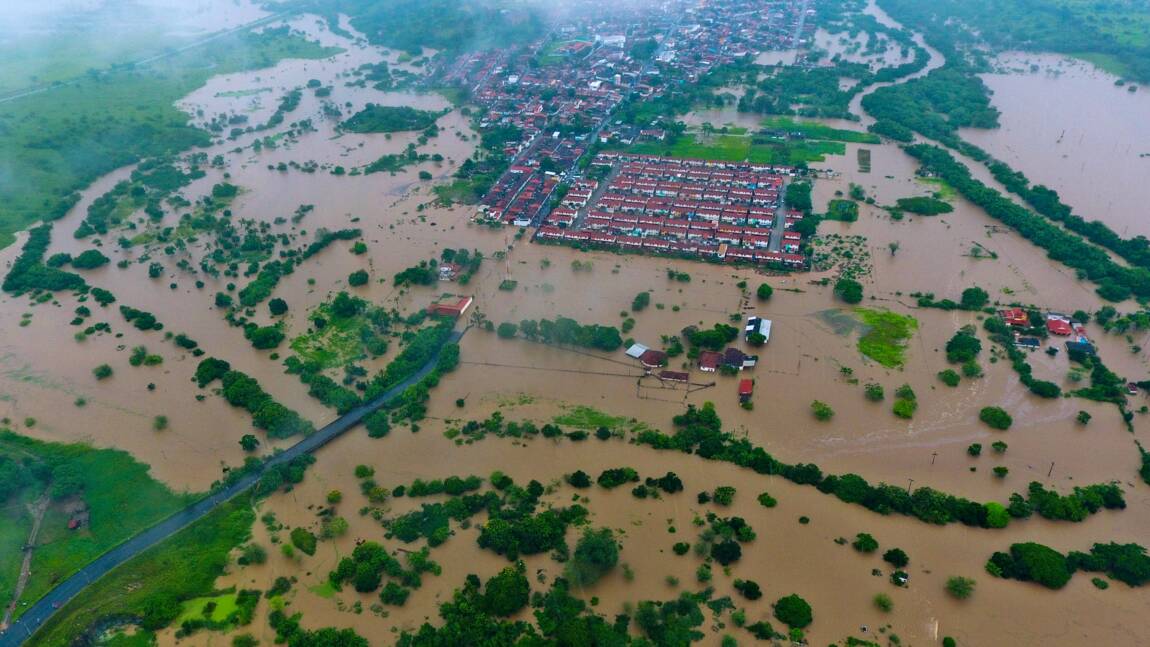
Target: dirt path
(38,508)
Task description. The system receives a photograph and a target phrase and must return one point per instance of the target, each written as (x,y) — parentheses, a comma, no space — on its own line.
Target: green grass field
(121,498)
(886,337)
(59,141)
(820,131)
(156,584)
(736,148)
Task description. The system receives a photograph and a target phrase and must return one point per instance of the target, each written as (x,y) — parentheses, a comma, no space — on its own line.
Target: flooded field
(1090,142)
(812,355)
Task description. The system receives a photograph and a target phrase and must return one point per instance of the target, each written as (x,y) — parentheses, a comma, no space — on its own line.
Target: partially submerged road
(42,610)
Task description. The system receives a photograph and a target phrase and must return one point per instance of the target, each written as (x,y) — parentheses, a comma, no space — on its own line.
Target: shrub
(873,392)
(905,408)
(507,330)
(89,259)
(793,611)
(822,410)
(724,495)
(102,372)
(949,377)
(995,417)
(579,479)
(277,307)
(357,278)
(974,449)
(960,587)
(864,543)
(849,290)
(681,548)
(764,292)
(883,602)
(304,540)
(726,552)
(896,557)
(749,589)
(767,501)
(1032,562)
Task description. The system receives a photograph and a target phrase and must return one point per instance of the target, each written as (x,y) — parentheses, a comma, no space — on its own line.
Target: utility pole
(933,456)
(1051,471)
(909,483)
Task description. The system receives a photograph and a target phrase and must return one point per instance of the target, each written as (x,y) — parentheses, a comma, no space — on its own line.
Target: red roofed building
(450,307)
(1015,317)
(653,358)
(746,390)
(709,361)
(1059,327)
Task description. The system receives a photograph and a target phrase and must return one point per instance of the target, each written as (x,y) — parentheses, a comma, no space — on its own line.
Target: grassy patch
(121,499)
(583,417)
(739,148)
(156,583)
(885,339)
(816,130)
(194,608)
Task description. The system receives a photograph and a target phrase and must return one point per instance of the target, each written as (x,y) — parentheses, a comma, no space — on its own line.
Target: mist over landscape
(654,322)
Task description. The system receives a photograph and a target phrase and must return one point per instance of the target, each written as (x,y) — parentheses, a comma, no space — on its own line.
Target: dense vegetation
(699,431)
(61,140)
(1032,562)
(570,332)
(389,119)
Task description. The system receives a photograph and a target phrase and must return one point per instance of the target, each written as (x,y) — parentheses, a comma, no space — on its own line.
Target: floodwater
(804,361)
(1090,141)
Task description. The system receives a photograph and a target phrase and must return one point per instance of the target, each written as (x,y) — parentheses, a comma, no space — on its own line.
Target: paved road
(42,610)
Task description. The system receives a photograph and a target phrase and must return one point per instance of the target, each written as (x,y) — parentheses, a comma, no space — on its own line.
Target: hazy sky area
(55,40)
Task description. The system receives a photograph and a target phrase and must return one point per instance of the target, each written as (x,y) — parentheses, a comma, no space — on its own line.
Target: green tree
(974,298)
(357,278)
(896,557)
(995,417)
(277,307)
(764,292)
(849,290)
(793,611)
(864,543)
(507,592)
(595,555)
(506,330)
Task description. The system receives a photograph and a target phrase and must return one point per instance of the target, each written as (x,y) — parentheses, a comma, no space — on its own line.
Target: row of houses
(657,245)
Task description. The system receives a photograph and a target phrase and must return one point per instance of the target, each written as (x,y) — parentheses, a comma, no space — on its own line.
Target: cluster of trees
(370,561)
(425,273)
(699,431)
(243,391)
(266,280)
(452,485)
(842,210)
(570,332)
(1115,282)
(389,119)
(324,237)
(90,259)
(714,338)
(141,320)
(1032,562)
(28,272)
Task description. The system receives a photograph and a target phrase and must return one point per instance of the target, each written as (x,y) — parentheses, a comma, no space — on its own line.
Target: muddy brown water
(1090,141)
(44,371)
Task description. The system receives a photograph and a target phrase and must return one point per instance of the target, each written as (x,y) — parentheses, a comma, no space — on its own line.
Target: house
(760,326)
(636,351)
(674,376)
(709,361)
(1015,317)
(1028,342)
(1079,347)
(1060,327)
(746,390)
(653,358)
(450,306)
(738,360)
